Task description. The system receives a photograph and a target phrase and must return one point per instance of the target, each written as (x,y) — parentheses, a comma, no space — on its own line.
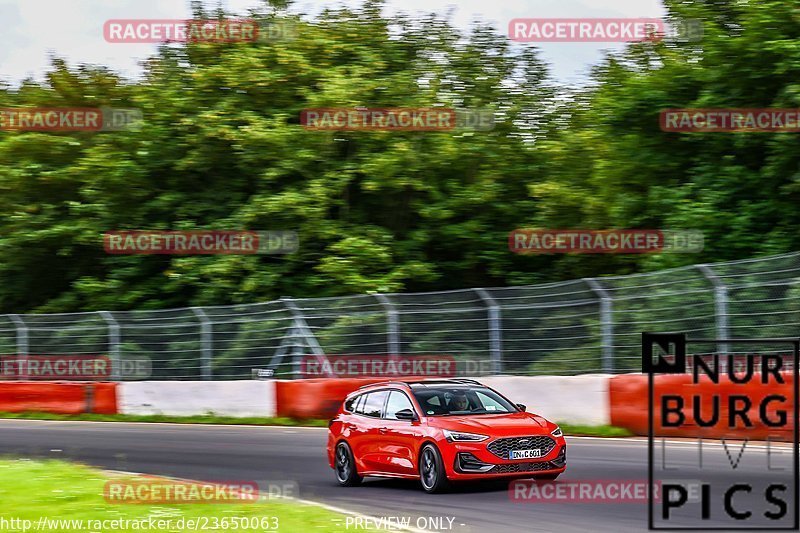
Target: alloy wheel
(342,463)
(429,473)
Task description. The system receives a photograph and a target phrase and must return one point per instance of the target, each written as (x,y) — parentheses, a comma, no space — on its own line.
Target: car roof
(422,383)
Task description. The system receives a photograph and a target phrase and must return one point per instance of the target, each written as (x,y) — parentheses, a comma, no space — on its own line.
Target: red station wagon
(440,431)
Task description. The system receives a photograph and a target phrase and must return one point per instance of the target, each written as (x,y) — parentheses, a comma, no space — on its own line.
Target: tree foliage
(221,147)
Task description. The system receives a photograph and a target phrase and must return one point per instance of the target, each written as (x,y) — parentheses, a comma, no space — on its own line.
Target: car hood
(498,425)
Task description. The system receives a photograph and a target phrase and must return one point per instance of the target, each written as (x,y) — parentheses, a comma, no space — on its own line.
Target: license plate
(525,454)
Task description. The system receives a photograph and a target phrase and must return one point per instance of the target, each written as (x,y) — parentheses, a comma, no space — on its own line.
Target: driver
(459,402)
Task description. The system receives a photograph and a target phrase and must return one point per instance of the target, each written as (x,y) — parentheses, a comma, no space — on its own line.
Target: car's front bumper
(472,461)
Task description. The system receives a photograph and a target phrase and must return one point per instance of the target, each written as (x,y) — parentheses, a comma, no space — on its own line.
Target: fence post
(606,323)
(720,305)
(393,325)
(113,343)
(23,342)
(495,333)
(297,350)
(305,333)
(206,342)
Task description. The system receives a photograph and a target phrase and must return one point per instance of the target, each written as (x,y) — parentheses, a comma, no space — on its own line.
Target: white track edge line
(326,506)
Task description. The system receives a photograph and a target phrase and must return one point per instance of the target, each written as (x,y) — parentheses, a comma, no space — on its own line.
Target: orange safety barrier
(628,404)
(316,398)
(60,397)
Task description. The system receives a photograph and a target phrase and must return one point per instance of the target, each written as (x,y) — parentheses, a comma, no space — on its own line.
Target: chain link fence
(573,327)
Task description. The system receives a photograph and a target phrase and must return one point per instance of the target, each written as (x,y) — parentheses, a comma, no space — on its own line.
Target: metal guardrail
(571,327)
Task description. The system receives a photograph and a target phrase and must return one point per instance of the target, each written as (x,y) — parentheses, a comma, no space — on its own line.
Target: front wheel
(345,466)
(431,470)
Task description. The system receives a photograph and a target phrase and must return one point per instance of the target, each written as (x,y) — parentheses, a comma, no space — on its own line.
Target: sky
(35,30)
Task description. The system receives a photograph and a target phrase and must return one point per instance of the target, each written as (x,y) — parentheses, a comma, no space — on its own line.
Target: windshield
(445,401)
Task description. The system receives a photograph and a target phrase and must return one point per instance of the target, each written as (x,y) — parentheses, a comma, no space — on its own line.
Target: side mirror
(521,407)
(405,414)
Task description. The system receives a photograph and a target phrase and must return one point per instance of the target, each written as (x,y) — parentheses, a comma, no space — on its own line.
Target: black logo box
(677,365)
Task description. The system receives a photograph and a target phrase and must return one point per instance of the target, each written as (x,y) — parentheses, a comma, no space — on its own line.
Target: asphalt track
(277,453)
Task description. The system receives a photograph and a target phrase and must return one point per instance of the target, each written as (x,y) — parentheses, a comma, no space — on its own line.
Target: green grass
(594,431)
(569,429)
(59,490)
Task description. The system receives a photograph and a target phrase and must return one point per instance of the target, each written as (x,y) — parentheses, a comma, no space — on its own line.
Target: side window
(397,402)
(348,405)
(373,405)
(358,405)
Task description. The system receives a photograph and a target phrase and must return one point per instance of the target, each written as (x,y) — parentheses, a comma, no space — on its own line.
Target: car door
(398,438)
(369,437)
(354,428)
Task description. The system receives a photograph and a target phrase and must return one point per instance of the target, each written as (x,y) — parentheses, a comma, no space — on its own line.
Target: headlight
(557,432)
(459,436)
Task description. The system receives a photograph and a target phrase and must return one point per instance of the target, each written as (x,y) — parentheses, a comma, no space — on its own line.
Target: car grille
(501,447)
(523,467)
(466,463)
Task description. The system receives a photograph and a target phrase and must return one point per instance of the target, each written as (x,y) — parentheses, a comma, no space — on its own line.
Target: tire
(432,475)
(345,466)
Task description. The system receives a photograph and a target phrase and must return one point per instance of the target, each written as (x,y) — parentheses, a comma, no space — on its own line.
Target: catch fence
(571,327)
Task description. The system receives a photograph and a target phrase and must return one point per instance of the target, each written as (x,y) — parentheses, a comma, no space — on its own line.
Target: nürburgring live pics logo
(730,396)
